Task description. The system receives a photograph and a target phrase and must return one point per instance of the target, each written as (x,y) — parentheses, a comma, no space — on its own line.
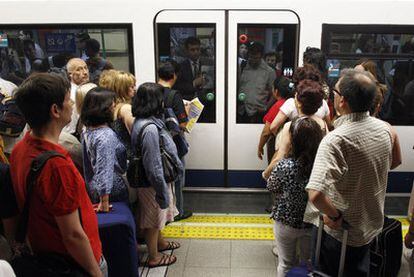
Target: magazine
(194,109)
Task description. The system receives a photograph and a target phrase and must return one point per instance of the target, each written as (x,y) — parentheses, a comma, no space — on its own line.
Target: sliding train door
(211,49)
(196,41)
(250,82)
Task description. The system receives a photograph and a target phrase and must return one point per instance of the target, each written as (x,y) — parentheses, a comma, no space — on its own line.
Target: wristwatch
(336,218)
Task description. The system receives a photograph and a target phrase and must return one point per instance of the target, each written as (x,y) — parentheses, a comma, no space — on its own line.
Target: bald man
(349,176)
(78,73)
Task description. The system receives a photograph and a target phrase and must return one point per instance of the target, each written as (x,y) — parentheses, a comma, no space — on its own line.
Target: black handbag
(168,164)
(136,172)
(27,264)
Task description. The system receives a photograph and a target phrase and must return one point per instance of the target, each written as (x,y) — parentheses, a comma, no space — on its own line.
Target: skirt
(150,215)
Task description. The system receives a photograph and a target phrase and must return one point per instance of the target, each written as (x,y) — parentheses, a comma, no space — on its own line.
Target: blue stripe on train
(398,182)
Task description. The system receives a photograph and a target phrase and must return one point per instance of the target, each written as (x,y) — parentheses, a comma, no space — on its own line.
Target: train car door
(250,82)
(210,48)
(196,41)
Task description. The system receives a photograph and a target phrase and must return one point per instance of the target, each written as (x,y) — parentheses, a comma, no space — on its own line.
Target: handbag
(136,172)
(169,166)
(27,264)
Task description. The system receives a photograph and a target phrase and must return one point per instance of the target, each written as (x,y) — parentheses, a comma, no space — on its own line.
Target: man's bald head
(358,88)
(78,71)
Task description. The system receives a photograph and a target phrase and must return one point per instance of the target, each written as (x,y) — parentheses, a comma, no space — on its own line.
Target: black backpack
(12,121)
(172,124)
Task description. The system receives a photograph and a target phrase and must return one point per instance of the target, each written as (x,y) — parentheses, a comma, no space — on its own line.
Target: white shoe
(274,251)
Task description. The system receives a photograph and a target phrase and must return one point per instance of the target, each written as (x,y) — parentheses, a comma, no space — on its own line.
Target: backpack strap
(169,95)
(35,170)
(137,141)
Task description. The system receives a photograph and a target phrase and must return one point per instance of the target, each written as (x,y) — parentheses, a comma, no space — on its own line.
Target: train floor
(231,235)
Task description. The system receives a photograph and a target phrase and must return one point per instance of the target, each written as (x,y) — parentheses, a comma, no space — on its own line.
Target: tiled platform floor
(224,258)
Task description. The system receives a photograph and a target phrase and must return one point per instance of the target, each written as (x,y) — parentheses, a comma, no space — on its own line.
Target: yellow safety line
(218,232)
(232,227)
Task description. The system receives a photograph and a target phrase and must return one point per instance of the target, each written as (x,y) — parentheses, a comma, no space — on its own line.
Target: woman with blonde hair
(123,84)
(81,93)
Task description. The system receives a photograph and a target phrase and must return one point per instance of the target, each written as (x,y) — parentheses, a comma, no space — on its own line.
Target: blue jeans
(178,189)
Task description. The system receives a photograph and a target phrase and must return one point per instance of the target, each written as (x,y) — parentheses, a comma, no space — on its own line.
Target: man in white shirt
(78,73)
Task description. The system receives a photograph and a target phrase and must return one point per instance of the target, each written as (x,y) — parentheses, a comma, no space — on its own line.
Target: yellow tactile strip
(232,227)
(218,232)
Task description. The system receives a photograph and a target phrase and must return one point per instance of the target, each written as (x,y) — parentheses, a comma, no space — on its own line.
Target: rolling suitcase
(386,250)
(306,271)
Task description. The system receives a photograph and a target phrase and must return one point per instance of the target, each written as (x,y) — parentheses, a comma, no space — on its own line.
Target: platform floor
(234,251)
(223,258)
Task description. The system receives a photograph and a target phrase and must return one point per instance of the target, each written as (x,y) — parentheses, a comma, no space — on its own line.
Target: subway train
(137,35)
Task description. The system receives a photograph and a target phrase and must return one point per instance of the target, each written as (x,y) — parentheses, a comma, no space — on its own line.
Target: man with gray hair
(78,74)
(349,177)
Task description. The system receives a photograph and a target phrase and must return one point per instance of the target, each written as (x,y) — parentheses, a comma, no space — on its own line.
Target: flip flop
(172,245)
(166,260)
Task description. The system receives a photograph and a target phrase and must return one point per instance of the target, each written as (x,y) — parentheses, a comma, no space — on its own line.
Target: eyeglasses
(336,91)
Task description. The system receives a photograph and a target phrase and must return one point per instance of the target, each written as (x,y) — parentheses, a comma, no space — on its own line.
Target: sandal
(165,260)
(172,245)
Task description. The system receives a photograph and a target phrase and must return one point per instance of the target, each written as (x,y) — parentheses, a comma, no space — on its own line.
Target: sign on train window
(193,48)
(265,52)
(387,51)
(26,49)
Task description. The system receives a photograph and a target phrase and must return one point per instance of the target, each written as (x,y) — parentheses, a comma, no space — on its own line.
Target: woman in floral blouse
(104,155)
(288,181)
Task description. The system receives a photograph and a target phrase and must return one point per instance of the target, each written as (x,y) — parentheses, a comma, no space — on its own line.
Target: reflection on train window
(370,43)
(46,48)
(193,47)
(264,52)
(391,53)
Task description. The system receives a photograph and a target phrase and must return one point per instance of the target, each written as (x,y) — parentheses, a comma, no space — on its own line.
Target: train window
(193,48)
(265,51)
(43,48)
(391,50)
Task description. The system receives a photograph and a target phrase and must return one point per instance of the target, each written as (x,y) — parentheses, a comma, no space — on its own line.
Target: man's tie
(196,69)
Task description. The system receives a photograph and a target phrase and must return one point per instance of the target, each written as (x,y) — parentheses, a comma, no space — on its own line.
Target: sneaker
(274,251)
(185,215)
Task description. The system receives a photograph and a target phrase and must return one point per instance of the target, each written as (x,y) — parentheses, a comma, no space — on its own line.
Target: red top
(60,190)
(274,110)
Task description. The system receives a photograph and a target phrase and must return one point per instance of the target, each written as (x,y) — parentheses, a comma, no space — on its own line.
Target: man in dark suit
(190,80)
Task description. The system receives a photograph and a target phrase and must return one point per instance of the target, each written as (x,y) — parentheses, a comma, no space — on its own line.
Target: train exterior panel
(137,35)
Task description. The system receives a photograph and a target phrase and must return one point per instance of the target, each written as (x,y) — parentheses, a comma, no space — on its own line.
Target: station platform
(230,234)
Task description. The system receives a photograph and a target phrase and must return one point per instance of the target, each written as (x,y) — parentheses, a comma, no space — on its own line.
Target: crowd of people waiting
(328,154)
(95,130)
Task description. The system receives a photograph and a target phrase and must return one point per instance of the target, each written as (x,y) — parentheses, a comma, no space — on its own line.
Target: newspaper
(194,109)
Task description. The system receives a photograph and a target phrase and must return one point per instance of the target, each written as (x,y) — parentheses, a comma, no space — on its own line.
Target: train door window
(192,47)
(43,48)
(265,51)
(390,50)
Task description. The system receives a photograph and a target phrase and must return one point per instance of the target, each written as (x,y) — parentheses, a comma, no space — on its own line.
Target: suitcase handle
(345,226)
